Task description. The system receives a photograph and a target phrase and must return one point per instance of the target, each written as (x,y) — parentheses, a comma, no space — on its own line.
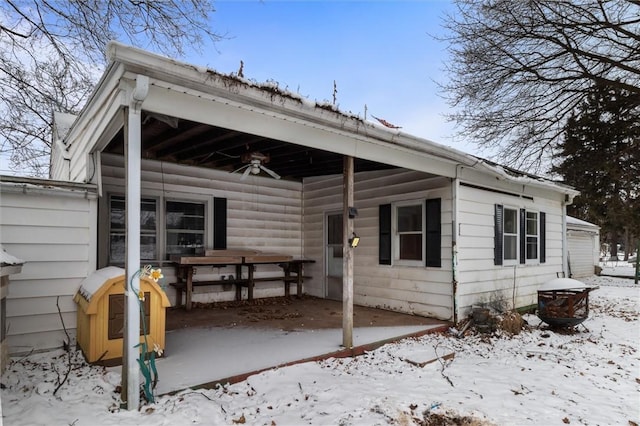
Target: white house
(440,230)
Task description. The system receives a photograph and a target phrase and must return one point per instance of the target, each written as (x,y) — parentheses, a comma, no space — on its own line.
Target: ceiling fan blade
(241,168)
(270,172)
(246,172)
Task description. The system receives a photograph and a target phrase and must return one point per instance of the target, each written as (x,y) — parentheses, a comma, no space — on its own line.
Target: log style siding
(262,213)
(425,291)
(54,231)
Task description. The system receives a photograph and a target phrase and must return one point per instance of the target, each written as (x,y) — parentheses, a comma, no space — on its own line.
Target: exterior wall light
(354,240)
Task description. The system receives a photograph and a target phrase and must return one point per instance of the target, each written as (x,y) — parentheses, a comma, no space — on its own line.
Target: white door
(333,256)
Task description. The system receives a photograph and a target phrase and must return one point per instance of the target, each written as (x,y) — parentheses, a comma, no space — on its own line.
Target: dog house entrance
(116,315)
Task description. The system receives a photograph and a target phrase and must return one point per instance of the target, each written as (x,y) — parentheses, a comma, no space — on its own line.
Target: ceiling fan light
(255,170)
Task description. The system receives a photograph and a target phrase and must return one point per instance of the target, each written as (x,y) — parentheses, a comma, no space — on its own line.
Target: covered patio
(213,344)
(208,162)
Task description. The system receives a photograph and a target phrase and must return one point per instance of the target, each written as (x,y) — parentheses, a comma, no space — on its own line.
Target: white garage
(583,244)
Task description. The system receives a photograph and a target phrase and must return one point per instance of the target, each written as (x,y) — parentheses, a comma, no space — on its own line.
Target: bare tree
(518,69)
(53,52)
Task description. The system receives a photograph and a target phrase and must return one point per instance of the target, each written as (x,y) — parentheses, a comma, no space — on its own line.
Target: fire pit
(563,302)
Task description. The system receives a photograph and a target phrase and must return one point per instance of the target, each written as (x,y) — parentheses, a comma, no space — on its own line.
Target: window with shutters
(167,227)
(410,233)
(519,236)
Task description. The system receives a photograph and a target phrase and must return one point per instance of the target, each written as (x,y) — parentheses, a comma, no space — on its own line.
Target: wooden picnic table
(185,268)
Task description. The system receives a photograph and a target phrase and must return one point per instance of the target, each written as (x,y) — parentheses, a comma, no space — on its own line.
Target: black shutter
(384,250)
(219,223)
(523,236)
(433,249)
(543,237)
(498,233)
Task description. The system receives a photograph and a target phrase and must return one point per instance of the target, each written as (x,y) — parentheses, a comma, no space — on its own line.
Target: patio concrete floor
(227,342)
(304,313)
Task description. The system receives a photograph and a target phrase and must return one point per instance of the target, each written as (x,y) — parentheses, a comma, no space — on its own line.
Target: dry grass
(510,322)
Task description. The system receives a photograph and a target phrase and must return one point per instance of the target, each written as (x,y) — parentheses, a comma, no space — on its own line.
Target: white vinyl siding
(417,290)
(53,230)
(480,280)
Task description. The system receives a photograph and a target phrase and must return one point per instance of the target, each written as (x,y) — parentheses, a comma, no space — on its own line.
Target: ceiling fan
(254,164)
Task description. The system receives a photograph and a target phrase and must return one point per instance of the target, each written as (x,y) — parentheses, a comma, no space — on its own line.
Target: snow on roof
(515,175)
(94,281)
(8,259)
(579,222)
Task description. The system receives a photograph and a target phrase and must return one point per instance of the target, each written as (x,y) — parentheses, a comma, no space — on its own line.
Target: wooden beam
(347,265)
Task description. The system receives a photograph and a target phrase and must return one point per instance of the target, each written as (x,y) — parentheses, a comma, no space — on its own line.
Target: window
(410,233)
(532,235)
(185,228)
(510,235)
(166,228)
(117,226)
(519,235)
(334,234)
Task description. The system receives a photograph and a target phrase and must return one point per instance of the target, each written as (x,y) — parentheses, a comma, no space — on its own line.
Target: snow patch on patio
(195,356)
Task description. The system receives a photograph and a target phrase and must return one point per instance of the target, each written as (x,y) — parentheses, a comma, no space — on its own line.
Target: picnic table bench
(292,268)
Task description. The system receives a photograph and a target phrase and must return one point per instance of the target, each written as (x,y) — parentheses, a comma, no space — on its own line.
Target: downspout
(565,248)
(455,183)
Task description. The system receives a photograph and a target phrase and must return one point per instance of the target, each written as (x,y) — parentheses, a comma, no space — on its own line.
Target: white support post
(133,150)
(347,260)
(565,249)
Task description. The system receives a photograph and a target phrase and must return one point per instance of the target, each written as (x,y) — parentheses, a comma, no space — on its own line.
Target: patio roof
(181,141)
(197,116)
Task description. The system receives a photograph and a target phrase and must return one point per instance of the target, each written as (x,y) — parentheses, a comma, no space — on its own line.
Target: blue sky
(380,53)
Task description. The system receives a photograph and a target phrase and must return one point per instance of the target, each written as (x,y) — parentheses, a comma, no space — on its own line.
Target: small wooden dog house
(101,315)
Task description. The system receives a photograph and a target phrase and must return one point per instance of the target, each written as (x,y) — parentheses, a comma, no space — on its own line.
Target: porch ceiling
(196,144)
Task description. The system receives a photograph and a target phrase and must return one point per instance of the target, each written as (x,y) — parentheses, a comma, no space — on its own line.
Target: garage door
(581,249)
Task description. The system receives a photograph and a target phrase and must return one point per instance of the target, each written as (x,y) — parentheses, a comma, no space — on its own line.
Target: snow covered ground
(538,377)
(618,270)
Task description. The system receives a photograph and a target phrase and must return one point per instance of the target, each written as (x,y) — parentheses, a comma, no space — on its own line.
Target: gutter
(528,179)
(565,246)
(29,184)
(270,98)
